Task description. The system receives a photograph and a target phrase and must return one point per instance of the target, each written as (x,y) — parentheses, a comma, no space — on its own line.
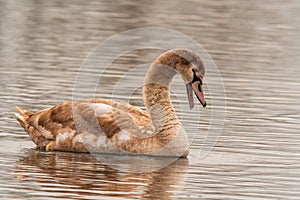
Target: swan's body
(105,126)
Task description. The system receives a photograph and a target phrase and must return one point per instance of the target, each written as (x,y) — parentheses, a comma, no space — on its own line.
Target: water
(256,48)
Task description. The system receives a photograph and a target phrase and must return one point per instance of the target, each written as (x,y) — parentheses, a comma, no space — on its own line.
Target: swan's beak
(196,86)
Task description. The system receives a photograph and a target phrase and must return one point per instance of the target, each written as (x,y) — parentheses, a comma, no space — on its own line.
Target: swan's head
(192,71)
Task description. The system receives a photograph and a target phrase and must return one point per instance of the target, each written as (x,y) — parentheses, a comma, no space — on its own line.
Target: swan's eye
(196,78)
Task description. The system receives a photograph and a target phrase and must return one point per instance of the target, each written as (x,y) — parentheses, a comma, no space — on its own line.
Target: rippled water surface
(255,45)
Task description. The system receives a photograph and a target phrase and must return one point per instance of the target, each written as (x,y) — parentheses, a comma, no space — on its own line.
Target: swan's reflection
(68,174)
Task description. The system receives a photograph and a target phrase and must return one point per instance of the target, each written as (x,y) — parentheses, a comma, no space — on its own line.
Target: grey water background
(255,45)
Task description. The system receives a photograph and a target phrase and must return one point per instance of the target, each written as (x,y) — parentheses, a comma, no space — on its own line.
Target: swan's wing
(67,117)
(139,117)
(120,119)
(63,118)
(65,126)
(50,121)
(114,116)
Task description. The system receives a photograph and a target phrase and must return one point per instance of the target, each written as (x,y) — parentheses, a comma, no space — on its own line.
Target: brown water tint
(256,48)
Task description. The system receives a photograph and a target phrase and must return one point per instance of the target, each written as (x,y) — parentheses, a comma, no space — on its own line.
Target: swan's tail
(25,119)
(23,116)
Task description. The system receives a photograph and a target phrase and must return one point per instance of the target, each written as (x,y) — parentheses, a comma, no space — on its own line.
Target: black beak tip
(204,104)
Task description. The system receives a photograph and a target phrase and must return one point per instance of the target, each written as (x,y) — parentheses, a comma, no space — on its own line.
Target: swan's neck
(157,100)
(170,139)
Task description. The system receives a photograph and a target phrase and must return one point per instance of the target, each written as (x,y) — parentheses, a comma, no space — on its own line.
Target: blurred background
(255,45)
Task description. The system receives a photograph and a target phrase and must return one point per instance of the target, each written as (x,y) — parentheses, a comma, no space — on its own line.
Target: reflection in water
(66,175)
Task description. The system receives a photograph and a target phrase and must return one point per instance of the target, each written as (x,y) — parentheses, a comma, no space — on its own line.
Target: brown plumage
(105,126)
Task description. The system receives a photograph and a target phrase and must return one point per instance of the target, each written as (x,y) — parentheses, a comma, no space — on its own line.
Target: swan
(105,126)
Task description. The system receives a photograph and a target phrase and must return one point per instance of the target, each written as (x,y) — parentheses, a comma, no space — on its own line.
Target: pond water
(255,46)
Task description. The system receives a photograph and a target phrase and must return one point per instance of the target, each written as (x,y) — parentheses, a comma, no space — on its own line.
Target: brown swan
(105,126)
